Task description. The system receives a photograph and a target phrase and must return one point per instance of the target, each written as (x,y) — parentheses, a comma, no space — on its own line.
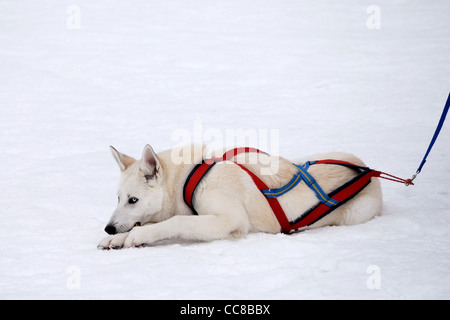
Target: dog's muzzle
(111,228)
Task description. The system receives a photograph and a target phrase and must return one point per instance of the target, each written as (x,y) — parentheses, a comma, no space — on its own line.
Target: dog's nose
(110,229)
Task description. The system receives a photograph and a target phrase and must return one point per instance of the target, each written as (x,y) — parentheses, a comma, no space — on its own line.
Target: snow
(78,76)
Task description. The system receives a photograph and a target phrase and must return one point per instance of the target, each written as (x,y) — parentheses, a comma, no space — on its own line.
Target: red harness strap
(339,196)
(273,202)
(202,168)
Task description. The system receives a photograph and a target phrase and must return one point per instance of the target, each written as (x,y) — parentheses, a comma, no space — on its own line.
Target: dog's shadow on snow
(175,241)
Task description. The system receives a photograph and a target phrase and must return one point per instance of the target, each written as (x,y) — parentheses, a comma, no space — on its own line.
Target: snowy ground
(78,76)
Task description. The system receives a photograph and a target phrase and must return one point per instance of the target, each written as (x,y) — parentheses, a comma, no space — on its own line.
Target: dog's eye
(133,200)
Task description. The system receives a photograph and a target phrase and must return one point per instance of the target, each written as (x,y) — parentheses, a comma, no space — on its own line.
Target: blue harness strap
(327,202)
(275,193)
(314,186)
(304,175)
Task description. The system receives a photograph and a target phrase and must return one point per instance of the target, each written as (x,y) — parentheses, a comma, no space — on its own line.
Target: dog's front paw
(115,241)
(137,238)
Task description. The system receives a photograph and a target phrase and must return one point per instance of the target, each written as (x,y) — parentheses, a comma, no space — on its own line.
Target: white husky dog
(151,206)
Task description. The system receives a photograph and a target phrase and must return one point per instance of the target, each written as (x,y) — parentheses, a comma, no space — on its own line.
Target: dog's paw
(137,238)
(115,241)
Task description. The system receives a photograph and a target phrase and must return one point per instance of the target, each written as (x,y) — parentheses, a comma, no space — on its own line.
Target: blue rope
(436,133)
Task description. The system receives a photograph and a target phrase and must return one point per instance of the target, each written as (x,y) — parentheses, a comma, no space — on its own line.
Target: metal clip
(409,182)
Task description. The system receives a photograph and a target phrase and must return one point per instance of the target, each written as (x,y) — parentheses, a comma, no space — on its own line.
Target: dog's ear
(150,163)
(122,160)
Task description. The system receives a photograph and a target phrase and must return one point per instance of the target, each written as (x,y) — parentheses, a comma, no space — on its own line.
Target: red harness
(327,203)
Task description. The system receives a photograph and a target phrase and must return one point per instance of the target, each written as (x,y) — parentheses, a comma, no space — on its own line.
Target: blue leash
(433,140)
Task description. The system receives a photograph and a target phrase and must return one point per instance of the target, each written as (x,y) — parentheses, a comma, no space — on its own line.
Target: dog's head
(140,192)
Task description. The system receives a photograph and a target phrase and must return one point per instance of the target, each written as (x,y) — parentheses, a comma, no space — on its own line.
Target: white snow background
(77,76)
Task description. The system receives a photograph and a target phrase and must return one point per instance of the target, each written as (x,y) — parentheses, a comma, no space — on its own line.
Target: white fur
(227,201)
